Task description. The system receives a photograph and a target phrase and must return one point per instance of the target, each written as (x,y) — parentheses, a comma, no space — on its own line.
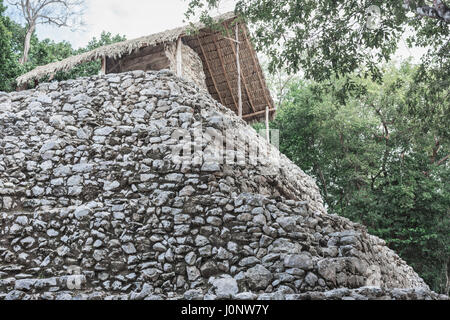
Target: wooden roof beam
(210,72)
(250,115)
(222,63)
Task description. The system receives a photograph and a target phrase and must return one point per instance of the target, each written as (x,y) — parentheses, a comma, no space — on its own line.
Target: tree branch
(436,149)
(443,160)
(438,11)
(53,12)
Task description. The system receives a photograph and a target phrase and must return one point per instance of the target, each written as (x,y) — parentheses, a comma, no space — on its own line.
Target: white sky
(136,18)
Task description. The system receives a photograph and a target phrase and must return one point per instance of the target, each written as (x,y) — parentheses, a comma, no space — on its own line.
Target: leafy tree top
(325,37)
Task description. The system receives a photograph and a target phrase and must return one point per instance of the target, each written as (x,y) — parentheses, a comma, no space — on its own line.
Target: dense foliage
(9,67)
(91,68)
(42,52)
(326,37)
(380,159)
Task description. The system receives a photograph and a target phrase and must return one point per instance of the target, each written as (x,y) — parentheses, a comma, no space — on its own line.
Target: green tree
(46,51)
(94,67)
(41,52)
(61,13)
(379,159)
(9,68)
(327,37)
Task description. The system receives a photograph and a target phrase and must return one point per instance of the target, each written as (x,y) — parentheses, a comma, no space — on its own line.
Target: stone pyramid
(141,186)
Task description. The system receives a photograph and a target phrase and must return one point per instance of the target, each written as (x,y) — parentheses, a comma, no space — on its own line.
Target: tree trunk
(447,282)
(27,44)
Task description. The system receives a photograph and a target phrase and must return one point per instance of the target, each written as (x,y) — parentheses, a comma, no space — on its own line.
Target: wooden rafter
(210,71)
(222,63)
(257,113)
(263,85)
(244,80)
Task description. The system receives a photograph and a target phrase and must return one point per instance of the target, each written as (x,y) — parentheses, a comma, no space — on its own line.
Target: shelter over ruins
(224,63)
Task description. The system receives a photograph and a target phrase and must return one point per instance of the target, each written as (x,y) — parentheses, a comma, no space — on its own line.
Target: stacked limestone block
(192,65)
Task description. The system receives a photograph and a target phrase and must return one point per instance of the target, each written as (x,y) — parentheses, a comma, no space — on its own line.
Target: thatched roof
(218,54)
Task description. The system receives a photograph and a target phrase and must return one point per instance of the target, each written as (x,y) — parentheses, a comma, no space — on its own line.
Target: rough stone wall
(93,204)
(192,65)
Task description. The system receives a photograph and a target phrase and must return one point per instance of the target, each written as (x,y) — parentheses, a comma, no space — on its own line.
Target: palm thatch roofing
(217,50)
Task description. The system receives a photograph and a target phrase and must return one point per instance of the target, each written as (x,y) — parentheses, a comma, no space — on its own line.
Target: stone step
(70,282)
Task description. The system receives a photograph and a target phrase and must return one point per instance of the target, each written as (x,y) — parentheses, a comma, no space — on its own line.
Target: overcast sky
(136,18)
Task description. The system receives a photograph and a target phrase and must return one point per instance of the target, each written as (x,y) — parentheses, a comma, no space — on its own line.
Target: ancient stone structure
(192,66)
(95,204)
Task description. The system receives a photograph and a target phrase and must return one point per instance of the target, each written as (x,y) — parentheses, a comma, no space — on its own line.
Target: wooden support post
(22,87)
(250,99)
(179,59)
(103,71)
(238,62)
(267,124)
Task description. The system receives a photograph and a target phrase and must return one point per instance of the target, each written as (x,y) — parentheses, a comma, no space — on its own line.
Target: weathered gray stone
(24,285)
(28,242)
(82,168)
(224,287)
(209,269)
(193,295)
(301,261)
(311,279)
(109,186)
(248,296)
(82,212)
(258,277)
(190,258)
(105,131)
(129,248)
(193,273)
(285,246)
